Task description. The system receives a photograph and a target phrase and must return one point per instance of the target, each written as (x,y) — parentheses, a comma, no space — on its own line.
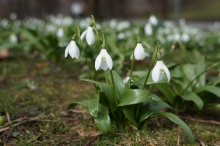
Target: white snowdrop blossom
(13,38)
(126,79)
(103,60)
(89,34)
(148,29)
(153,20)
(139,52)
(159,70)
(60,33)
(185,37)
(73,50)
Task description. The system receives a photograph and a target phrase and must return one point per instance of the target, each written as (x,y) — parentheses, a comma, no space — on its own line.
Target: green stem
(151,65)
(200,75)
(106,77)
(132,65)
(113,84)
(96,30)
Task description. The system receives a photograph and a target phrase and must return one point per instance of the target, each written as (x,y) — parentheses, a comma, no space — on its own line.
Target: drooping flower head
(89,34)
(103,60)
(139,53)
(153,20)
(160,70)
(72,49)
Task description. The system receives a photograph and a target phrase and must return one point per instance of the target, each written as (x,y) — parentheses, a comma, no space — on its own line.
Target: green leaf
(189,71)
(214,105)
(211,89)
(191,96)
(119,85)
(129,112)
(167,91)
(73,104)
(93,106)
(108,91)
(151,108)
(103,121)
(181,123)
(134,96)
(199,69)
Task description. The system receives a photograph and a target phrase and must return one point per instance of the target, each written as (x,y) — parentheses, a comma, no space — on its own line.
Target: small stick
(8,117)
(178,136)
(91,141)
(202,121)
(201,143)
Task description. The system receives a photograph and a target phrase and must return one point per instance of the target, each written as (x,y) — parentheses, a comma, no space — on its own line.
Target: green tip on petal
(159,57)
(91,24)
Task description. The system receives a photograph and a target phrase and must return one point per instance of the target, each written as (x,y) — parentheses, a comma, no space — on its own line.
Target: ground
(37,104)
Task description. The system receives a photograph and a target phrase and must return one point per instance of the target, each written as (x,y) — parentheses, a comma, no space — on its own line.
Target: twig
(8,117)
(91,141)
(178,136)
(202,121)
(201,143)
(23,120)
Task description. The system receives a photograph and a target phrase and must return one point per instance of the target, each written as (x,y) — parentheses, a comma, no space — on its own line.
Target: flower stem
(132,65)
(106,77)
(213,65)
(96,30)
(114,90)
(154,58)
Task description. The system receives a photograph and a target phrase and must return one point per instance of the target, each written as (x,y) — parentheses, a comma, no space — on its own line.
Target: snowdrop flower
(13,38)
(60,32)
(185,37)
(159,70)
(103,60)
(89,34)
(139,52)
(73,50)
(148,29)
(153,20)
(126,79)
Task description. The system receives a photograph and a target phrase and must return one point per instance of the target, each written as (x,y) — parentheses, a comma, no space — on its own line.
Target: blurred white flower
(153,20)
(126,79)
(13,38)
(89,34)
(185,37)
(13,16)
(139,53)
(60,32)
(103,60)
(159,70)
(148,29)
(73,50)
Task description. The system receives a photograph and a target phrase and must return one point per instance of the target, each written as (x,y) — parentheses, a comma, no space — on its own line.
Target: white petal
(126,80)
(156,72)
(90,36)
(139,52)
(104,65)
(167,72)
(109,61)
(83,35)
(98,61)
(67,50)
(73,50)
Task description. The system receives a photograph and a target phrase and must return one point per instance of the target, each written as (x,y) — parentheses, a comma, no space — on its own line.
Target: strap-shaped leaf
(151,108)
(73,104)
(108,91)
(191,96)
(129,112)
(103,121)
(214,105)
(93,106)
(135,96)
(119,85)
(167,91)
(179,122)
(211,89)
